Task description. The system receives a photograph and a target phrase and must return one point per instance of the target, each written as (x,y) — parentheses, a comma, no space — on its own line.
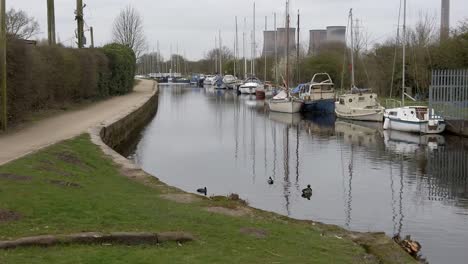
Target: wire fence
(448,94)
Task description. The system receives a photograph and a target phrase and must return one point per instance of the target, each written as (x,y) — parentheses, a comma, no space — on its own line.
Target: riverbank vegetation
(72,187)
(378,64)
(54,77)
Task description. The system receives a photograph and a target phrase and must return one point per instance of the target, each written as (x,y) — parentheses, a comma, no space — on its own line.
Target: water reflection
(363,178)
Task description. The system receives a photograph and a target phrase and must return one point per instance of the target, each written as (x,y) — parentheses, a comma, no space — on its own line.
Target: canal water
(363,178)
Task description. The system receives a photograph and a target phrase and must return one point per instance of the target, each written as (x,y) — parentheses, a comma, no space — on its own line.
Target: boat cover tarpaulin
(298,88)
(281,95)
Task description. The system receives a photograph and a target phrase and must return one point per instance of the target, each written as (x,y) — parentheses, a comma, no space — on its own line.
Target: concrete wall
(459,127)
(125,129)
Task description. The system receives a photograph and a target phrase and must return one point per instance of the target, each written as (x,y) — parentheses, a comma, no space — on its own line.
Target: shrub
(45,77)
(122,63)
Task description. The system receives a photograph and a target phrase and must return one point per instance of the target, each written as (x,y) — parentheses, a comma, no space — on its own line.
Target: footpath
(43,133)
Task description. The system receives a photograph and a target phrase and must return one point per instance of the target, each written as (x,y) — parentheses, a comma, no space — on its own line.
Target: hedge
(44,77)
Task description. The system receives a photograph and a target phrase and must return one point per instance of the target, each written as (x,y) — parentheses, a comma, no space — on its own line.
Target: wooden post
(80,23)
(3,65)
(91,31)
(51,22)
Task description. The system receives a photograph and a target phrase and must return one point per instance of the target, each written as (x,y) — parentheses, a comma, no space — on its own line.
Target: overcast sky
(192,25)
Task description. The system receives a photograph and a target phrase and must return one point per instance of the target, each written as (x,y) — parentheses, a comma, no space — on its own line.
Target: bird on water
(270,181)
(202,191)
(307,192)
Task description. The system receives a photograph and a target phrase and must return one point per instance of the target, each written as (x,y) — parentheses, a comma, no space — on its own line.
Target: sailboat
(414,119)
(358,104)
(284,102)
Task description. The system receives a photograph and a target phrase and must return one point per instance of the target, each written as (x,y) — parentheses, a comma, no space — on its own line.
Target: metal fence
(448,94)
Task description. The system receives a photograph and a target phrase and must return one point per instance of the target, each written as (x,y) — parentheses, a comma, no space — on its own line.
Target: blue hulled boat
(318,95)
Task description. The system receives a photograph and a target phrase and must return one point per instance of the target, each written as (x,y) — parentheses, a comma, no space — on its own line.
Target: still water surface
(363,178)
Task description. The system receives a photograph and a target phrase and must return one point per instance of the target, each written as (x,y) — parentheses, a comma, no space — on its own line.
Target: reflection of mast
(400,224)
(286,168)
(350,197)
(252,129)
(236,126)
(392,187)
(297,155)
(274,150)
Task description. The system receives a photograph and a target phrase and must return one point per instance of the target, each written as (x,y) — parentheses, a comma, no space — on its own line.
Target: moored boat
(319,94)
(230,81)
(285,103)
(359,105)
(250,85)
(414,119)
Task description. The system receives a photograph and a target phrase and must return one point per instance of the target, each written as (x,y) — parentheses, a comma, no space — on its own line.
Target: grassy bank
(71,187)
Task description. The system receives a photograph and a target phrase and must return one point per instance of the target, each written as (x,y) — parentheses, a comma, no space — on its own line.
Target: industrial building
(317,38)
(445,20)
(281,40)
(320,37)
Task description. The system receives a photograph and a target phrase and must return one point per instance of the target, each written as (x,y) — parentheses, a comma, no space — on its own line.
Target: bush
(45,77)
(122,63)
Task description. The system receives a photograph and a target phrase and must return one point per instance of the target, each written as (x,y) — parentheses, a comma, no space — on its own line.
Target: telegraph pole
(3,64)
(91,31)
(80,23)
(51,21)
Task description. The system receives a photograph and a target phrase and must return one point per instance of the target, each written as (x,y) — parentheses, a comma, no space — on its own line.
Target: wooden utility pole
(51,22)
(80,23)
(3,65)
(91,31)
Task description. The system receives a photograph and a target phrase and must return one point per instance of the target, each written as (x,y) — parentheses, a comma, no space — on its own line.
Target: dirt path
(43,133)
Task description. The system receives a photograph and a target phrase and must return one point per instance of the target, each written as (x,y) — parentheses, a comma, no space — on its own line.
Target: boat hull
(423,127)
(247,90)
(361,115)
(285,106)
(322,106)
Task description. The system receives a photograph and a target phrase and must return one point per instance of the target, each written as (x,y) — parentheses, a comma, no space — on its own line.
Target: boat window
(393,113)
(362,98)
(371,96)
(350,100)
(342,101)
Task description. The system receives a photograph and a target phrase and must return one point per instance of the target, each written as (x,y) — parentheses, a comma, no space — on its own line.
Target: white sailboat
(414,119)
(359,104)
(284,102)
(250,85)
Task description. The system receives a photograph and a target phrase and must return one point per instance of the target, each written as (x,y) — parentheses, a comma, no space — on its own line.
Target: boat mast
(353,80)
(298,46)
(216,54)
(253,42)
(236,51)
(276,51)
(264,52)
(220,54)
(287,46)
(243,49)
(404,56)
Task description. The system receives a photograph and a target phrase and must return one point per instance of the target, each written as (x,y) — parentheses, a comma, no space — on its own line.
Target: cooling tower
(445,20)
(317,38)
(269,43)
(336,34)
(282,36)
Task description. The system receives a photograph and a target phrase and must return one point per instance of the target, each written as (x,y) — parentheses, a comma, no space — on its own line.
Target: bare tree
(128,30)
(20,25)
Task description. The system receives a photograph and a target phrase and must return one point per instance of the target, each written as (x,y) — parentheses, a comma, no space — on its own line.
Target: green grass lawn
(71,187)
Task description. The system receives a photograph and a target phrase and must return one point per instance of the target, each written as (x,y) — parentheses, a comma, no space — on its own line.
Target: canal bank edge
(115,132)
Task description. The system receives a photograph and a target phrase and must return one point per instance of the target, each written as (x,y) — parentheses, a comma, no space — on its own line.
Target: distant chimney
(445,20)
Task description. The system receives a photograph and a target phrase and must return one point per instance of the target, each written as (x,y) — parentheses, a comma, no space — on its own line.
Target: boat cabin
(320,87)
